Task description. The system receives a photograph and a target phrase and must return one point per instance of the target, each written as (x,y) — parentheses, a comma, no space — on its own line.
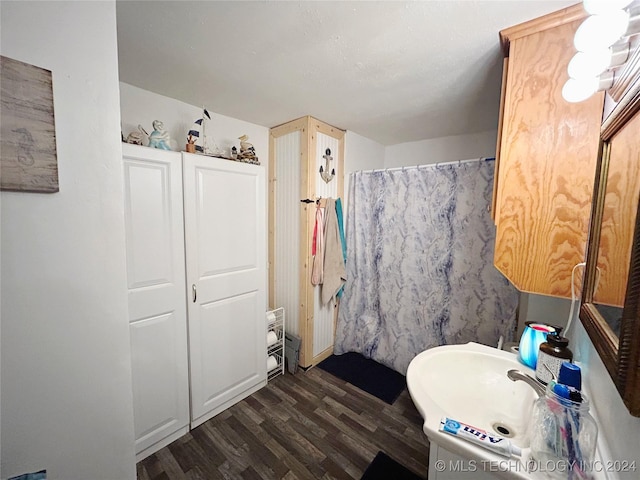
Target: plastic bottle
(550,357)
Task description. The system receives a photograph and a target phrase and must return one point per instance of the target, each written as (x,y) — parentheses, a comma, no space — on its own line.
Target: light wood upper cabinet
(548,150)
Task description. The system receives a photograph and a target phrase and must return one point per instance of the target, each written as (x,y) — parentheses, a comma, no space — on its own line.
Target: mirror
(610,308)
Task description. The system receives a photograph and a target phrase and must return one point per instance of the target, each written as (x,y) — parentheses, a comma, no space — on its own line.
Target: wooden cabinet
(296,151)
(196,271)
(548,149)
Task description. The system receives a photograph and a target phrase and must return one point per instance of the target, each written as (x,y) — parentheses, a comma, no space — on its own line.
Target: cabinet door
(157,303)
(226,281)
(548,155)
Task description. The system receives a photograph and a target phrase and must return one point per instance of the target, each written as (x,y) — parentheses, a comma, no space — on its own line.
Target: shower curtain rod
(458,162)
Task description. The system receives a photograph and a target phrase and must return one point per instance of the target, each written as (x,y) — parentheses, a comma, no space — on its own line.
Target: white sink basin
(469,383)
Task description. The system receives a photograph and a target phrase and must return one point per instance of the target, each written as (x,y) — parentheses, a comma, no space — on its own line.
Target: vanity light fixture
(593,63)
(602,42)
(603,30)
(578,90)
(595,7)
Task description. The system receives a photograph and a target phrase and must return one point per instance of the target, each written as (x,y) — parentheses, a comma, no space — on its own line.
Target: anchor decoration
(324,172)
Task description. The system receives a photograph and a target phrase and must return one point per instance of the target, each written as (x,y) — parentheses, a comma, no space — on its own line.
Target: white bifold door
(157,309)
(224,208)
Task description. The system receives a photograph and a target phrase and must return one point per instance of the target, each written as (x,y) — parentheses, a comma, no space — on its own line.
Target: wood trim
(625,76)
(321,356)
(597,207)
(554,19)
(620,354)
(292,126)
(327,129)
(496,168)
(271,225)
(628,106)
(628,379)
(306,229)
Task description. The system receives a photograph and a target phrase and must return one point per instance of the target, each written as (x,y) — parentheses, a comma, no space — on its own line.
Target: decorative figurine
(191,144)
(234,152)
(159,138)
(247,152)
(195,133)
(135,138)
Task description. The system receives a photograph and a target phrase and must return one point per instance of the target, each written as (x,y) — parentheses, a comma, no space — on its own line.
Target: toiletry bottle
(550,357)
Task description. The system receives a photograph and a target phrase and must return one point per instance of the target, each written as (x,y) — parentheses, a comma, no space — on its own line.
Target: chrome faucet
(515,375)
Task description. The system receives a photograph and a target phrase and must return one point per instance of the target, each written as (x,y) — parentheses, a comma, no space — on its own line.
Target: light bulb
(575,91)
(593,63)
(601,31)
(597,7)
(589,64)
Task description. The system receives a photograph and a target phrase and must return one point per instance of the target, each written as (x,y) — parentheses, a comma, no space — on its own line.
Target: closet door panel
(228,356)
(156,293)
(159,369)
(226,249)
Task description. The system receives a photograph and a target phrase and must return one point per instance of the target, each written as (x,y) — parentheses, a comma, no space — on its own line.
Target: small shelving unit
(275,343)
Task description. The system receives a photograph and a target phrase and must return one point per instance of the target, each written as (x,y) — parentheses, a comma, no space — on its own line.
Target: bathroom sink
(469,383)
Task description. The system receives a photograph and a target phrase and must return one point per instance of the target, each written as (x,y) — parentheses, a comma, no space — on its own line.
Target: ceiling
(392,71)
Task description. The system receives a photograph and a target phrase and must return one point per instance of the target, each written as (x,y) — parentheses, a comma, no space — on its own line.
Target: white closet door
(225,224)
(157,302)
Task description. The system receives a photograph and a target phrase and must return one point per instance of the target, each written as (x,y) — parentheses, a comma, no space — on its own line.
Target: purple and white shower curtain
(420,271)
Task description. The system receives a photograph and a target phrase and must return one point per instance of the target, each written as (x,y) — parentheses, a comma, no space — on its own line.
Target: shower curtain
(420,268)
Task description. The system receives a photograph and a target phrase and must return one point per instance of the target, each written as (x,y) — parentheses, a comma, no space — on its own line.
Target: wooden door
(157,303)
(225,236)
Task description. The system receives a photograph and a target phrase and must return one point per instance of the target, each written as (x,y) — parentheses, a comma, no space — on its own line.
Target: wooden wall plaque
(28,160)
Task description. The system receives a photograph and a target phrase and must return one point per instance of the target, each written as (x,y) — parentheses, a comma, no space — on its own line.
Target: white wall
(360,153)
(619,430)
(66,368)
(443,149)
(140,106)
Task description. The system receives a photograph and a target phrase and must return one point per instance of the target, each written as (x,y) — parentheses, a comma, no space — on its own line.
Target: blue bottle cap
(561,390)
(570,375)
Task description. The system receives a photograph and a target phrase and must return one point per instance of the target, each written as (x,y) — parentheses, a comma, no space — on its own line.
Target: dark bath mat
(384,467)
(366,374)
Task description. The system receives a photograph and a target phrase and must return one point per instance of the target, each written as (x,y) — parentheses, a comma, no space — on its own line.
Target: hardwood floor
(310,425)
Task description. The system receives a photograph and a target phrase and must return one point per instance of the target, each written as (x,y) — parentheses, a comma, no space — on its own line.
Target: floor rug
(366,374)
(384,467)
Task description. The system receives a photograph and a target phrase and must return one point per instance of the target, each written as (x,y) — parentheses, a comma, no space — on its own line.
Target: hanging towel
(334,271)
(317,249)
(342,240)
(341,229)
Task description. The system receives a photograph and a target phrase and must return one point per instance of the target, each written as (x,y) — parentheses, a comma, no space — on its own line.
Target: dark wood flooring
(310,425)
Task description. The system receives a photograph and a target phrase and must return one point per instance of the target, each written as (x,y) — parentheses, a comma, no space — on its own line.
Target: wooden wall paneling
(324,317)
(542,225)
(274,133)
(309,128)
